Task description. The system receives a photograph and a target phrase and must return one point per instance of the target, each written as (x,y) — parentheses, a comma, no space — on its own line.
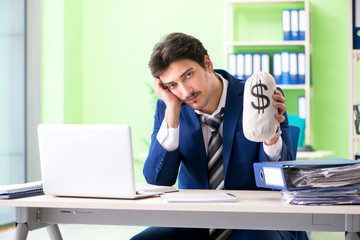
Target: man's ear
(208,64)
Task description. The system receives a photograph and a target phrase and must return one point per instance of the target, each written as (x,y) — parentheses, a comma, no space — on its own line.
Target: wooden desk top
(248,201)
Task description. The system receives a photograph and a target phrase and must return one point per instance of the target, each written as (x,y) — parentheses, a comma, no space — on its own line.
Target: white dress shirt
(169,137)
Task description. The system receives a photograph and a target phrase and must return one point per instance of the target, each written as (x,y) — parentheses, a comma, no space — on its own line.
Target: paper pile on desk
(324,196)
(317,181)
(21,190)
(206,197)
(325,176)
(324,185)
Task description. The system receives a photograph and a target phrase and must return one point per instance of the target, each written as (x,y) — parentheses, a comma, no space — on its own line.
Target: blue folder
(302,24)
(277,67)
(356,21)
(293,69)
(275,175)
(356,37)
(286,24)
(285,67)
(294,25)
(301,67)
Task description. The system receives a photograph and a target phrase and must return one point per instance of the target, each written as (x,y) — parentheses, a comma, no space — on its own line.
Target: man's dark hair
(176,46)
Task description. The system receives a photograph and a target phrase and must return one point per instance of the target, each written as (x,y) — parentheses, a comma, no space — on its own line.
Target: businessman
(198,137)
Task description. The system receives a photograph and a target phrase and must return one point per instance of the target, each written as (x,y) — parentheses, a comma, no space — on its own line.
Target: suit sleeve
(286,152)
(161,166)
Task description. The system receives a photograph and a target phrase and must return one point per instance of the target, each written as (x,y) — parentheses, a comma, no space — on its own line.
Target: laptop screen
(86,160)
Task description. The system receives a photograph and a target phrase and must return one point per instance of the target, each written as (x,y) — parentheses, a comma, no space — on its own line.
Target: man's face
(189,82)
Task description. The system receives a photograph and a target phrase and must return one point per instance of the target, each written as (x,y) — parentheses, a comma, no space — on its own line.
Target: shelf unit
(354,58)
(233,42)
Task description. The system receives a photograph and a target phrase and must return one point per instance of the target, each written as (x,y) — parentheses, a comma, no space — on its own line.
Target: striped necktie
(215,152)
(215,166)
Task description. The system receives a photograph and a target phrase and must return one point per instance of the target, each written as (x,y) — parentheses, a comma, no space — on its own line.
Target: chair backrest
(294,135)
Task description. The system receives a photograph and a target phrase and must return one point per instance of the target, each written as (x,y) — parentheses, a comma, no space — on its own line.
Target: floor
(96,232)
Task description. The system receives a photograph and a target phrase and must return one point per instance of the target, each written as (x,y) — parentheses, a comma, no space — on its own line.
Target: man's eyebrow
(189,69)
(169,83)
(164,83)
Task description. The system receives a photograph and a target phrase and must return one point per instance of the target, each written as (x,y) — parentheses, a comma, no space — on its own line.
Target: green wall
(95,56)
(330,76)
(118,37)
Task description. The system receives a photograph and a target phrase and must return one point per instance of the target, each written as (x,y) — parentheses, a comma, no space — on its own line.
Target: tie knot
(215,122)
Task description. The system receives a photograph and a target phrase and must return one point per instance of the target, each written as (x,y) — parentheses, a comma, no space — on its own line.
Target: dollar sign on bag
(261,104)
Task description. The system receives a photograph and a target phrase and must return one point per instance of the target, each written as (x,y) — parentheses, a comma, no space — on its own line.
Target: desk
(313,154)
(254,210)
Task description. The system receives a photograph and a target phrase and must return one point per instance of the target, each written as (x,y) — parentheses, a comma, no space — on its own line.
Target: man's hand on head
(165,94)
(173,103)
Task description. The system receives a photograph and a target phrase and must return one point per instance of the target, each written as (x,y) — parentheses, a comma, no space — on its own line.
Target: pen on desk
(230,194)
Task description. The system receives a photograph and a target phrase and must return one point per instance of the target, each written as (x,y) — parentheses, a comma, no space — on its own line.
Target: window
(12,97)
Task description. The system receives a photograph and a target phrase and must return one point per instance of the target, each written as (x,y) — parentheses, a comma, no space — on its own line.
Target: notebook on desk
(81,160)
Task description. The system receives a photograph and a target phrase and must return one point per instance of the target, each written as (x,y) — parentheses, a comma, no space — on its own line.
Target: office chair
(294,135)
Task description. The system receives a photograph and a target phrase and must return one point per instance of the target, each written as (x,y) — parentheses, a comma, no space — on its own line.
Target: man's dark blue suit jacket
(239,154)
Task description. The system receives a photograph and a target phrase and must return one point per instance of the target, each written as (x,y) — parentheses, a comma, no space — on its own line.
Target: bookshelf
(248,31)
(354,58)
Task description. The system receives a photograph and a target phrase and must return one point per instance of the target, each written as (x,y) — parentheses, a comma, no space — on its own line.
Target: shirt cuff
(273,152)
(168,137)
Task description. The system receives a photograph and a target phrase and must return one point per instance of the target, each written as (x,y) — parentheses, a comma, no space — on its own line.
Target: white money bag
(259,122)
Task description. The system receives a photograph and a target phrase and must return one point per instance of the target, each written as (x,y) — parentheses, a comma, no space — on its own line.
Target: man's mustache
(193,94)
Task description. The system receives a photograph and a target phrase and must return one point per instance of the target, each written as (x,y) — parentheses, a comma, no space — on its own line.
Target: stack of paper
(331,185)
(325,176)
(324,196)
(320,181)
(21,190)
(219,197)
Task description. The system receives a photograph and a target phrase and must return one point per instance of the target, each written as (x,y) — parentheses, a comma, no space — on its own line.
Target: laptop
(87,160)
